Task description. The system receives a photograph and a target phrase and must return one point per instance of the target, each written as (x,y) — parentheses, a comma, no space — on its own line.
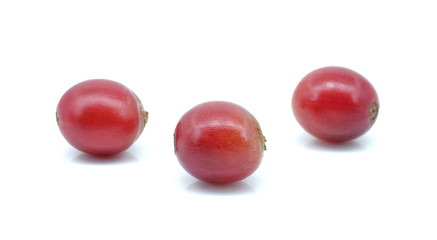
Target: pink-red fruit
(100,117)
(219,142)
(335,104)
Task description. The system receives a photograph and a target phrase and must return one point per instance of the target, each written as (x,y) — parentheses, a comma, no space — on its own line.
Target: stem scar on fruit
(373,110)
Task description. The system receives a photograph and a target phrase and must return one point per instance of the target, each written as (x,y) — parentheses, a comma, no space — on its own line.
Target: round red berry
(100,117)
(335,104)
(219,142)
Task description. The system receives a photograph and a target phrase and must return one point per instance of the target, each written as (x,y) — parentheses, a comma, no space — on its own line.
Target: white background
(177,54)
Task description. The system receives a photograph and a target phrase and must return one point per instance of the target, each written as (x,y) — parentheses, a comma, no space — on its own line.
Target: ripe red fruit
(335,104)
(100,117)
(219,142)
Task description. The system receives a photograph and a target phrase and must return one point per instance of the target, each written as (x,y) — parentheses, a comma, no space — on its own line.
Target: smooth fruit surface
(100,117)
(335,104)
(219,142)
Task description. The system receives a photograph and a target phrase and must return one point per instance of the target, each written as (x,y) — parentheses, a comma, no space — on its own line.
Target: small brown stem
(373,110)
(144,115)
(57,118)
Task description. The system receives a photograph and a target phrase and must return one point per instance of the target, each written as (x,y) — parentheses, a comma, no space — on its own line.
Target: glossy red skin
(219,142)
(335,104)
(100,117)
